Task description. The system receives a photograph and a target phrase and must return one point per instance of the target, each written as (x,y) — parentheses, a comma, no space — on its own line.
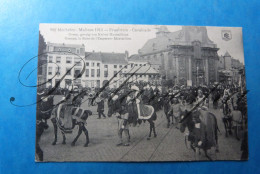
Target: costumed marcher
(166,108)
(200,99)
(100,107)
(123,126)
(44,109)
(176,111)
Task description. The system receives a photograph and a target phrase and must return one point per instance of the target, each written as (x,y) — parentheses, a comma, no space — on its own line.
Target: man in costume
(100,106)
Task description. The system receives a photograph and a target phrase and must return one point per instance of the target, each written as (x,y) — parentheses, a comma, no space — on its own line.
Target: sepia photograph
(140,93)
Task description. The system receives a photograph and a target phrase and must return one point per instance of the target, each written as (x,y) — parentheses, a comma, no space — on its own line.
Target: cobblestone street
(169,145)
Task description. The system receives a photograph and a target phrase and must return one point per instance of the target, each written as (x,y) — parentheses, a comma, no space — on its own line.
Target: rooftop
(227,54)
(106,58)
(142,70)
(65,45)
(136,58)
(185,36)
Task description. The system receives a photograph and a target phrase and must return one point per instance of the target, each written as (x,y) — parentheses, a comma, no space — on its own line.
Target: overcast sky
(139,34)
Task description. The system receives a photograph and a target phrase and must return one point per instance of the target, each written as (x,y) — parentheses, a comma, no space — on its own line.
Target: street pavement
(169,145)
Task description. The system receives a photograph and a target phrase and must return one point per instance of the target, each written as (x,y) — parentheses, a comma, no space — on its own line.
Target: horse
(78,117)
(227,119)
(202,131)
(115,106)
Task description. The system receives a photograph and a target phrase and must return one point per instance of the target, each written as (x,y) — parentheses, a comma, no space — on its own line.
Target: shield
(145,112)
(226,35)
(64,118)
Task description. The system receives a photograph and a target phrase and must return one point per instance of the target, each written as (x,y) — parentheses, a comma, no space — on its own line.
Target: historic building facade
(68,60)
(229,69)
(187,56)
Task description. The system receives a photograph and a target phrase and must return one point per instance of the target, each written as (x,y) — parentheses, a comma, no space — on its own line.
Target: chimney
(126,55)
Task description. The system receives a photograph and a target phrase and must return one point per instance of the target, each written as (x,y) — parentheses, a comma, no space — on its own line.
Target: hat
(134,88)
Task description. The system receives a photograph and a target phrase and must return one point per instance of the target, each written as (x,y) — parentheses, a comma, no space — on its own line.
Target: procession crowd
(134,103)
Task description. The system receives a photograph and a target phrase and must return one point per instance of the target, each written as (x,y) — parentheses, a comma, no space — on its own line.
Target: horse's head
(86,114)
(188,119)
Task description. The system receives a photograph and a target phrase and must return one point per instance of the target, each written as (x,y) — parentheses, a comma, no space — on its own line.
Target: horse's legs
(54,122)
(237,127)
(168,120)
(154,132)
(197,153)
(216,139)
(86,133)
(226,126)
(79,133)
(64,138)
(230,125)
(150,123)
(38,150)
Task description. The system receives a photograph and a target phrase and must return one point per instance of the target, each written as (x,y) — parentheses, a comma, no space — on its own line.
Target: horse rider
(200,99)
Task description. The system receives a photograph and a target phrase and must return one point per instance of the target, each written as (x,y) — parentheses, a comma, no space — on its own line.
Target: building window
(77,73)
(93,64)
(98,72)
(77,51)
(68,60)
(87,63)
(57,70)
(105,66)
(68,70)
(67,82)
(115,66)
(105,73)
(50,59)
(58,59)
(40,71)
(115,73)
(49,70)
(92,73)
(87,72)
(98,64)
(136,64)
(77,61)
(120,66)
(57,81)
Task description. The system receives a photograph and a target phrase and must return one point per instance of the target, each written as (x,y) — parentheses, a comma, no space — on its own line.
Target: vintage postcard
(140,93)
